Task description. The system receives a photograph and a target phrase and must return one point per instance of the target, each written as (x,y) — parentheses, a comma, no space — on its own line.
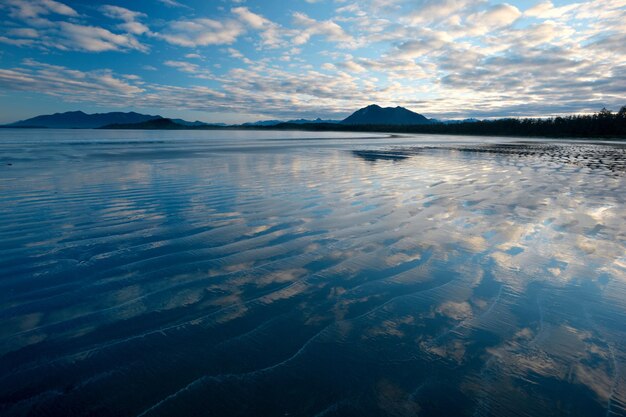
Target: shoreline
(397,131)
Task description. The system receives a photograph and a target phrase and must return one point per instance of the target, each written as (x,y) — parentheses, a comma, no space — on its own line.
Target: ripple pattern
(260,273)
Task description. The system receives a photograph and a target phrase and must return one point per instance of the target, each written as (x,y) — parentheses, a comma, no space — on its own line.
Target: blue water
(266,273)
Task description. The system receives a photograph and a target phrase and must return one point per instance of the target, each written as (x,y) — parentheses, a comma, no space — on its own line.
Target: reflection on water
(282,273)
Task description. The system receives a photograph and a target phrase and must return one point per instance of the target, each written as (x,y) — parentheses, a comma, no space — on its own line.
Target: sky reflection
(248,276)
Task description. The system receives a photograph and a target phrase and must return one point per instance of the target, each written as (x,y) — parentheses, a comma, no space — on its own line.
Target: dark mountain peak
(81,120)
(376,115)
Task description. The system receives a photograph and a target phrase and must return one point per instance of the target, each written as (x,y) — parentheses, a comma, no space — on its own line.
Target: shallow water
(291,273)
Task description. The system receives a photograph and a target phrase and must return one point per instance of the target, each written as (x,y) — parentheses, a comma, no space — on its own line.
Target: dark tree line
(604,124)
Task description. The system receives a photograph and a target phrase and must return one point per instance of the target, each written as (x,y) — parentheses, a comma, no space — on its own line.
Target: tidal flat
(217,273)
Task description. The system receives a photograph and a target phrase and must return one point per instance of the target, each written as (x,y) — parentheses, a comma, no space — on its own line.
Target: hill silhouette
(376,115)
(82,120)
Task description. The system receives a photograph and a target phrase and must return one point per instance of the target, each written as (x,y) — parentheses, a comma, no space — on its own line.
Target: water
(290,273)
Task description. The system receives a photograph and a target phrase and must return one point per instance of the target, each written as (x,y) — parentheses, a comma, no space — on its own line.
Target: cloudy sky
(243,60)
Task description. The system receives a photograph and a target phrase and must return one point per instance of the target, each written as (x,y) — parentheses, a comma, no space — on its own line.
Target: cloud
(173,3)
(24,32)
(71,85)
(190,68)
(29,9)
(252,19)
(183,66)
(16,42)
(271,33)
(434,11)
(241,90)
(71,35)
(330,30)
(546,10)
(95,39)
(351,66)
(495,17)
(234,53)
(202,32)
(130,18)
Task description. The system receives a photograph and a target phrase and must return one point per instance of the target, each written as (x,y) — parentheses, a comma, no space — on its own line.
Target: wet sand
(188,273)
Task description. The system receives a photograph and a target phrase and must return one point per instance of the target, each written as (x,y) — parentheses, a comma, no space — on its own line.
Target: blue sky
(243,60)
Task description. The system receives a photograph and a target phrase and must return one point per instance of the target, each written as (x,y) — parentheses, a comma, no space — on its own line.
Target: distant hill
(165,124)
(197,123)
(263,123)
(316,121)
(376,115)
(295,122)
(81,120)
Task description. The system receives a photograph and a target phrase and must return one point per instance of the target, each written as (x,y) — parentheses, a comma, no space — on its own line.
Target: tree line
(604,124)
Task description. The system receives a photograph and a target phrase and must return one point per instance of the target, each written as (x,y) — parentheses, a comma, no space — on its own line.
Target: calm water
(302,274)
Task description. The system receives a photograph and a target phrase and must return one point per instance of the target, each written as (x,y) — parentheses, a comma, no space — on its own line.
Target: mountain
(197,123)
(295,122)
(81,120)
(165,124)
(263,123)
(312,122)
(376,115)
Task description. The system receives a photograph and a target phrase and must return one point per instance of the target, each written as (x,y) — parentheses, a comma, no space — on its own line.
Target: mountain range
(370,115)
(295,122)
(82,120)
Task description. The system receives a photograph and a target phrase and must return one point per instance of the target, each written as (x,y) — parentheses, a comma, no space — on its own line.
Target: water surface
(290,273)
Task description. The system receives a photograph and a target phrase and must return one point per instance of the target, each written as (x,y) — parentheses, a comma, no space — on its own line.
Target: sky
(244,60)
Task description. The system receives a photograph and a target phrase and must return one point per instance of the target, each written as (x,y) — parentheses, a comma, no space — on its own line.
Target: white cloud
(330,30)
(16,42)
(70,35)
(495,17)
(183,66)
(130,18)
(426,41)
(71,85)
(29,9)
(95,39)
(173,3)
(270,32)
(202,32)
(23,32)
(57,7)
(190,68)
(252,19)
(352,66)
(433,11)
(546,10)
